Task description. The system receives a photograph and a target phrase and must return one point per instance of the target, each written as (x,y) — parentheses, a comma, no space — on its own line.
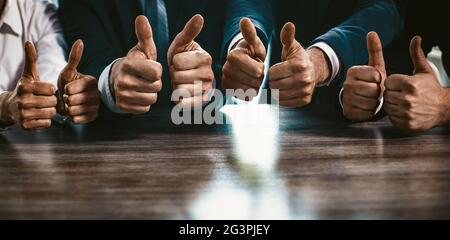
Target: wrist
(5,112)
(321,66)
(445,112)
(235,42)
(115,71)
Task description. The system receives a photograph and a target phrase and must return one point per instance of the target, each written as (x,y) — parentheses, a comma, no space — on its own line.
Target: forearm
(348,39)
(321,65)
(446,109)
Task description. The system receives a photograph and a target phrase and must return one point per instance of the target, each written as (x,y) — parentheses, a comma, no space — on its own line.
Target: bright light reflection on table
(258,193)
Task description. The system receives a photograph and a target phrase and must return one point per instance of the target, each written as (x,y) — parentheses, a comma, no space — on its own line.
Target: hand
(417,103)
(299,72)
(32,104)
(79,96)
(244,68)
(189,63)
(364,86)
(136,79)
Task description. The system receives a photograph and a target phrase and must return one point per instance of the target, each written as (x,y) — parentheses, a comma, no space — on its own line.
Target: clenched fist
(244,68)
(299,72)
(190,63)
(79,97)
(136,79)
(32,104)
(364,86)
(417,103)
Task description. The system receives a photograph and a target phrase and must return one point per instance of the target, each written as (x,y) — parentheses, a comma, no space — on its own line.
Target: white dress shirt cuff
(341,101)
(235,41)
(332,57)
(103,86)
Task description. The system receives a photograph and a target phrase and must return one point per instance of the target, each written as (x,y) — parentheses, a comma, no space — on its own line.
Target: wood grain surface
(300,167)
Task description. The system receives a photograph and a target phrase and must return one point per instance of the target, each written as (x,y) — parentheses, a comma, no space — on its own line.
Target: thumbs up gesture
(244,68)
(136,79)
(417,103)
(189,63)
(364,85)
(78,94)
(32,104)
(299,72)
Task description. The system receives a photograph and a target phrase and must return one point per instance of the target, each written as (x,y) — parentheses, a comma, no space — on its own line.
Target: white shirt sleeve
(334,61)
(234,41)
(106,95)
(49,43)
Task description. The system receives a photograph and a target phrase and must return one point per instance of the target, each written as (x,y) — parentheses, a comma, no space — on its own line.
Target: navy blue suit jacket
(107,27)
(343,25)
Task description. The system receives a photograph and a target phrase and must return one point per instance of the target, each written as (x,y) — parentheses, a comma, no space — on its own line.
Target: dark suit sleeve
(348,39)
(259,11)
(80,20)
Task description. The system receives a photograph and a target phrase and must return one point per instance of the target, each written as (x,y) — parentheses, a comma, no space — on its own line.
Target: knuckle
(304,101)
(348,84)
(300,66)
(414,88)
(123,83)
(177,60)
(153,99)
(24,125)
(209,75)
(22,101)
(409,116)
(208,59)
(53,100)
(159,71)
(22,88)
(408,100)
(307,90)
(233,57)
(53,113)
(77,120)
(71,100)
(121,105)
(71,111)
(47,123)
(158,86)
(121,95)
(374,74)
(411,126)
(127,65)
(353,71)
(23,114)
(260,71)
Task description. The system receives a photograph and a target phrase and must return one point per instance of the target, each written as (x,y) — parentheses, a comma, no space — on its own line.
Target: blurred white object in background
(435,56)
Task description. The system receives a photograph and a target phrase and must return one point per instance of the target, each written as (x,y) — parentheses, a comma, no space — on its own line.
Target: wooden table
(301,167)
